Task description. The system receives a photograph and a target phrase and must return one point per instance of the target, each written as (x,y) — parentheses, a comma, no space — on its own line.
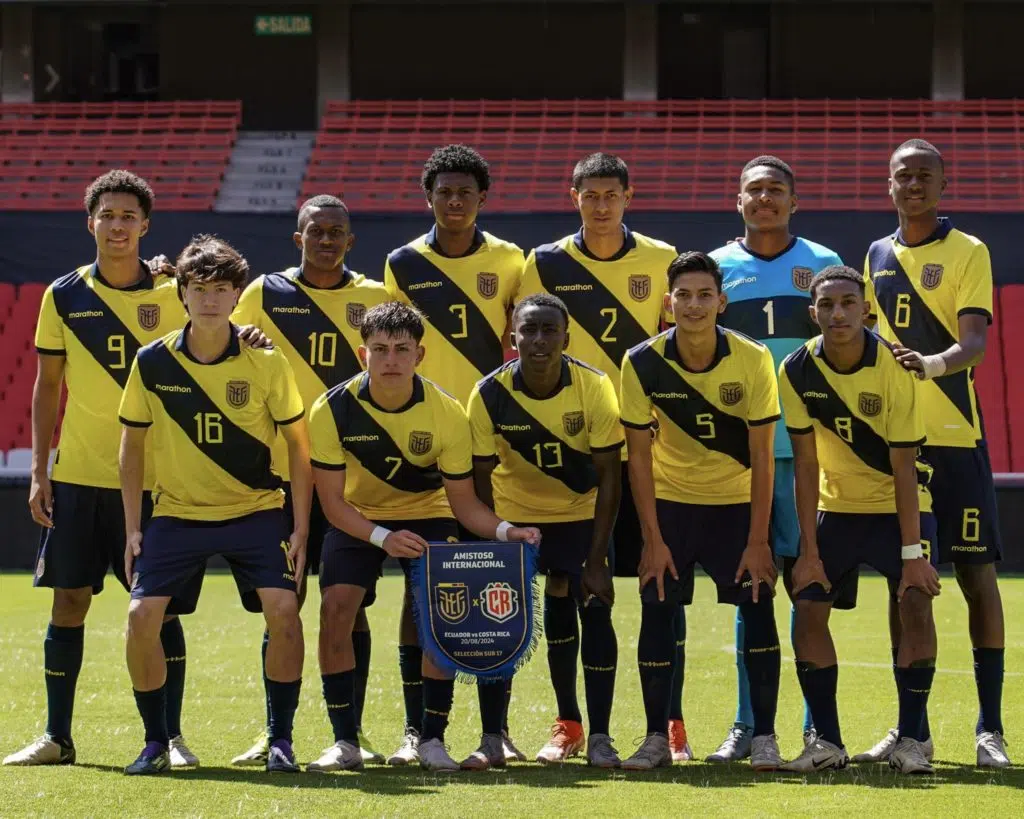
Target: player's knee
(339,609)
(556,585)
(70,606)
(977,581)
(916,614)
(281,611)
(810,622)
(145,618)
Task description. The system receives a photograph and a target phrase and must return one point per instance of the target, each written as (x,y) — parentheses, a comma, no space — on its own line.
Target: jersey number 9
(115,345)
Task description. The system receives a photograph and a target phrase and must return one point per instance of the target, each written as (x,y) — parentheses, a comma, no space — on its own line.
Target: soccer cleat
(44,751)
(512,753)
(908,757)
(281,758)
(181,755)
(883,750)
(490,754)
(992,750)
(341,756)
(368,752)
(678,741)
(764,753)
(434,757)
(256,756)
(566,741)
(408,751)
(601,753)
(735,746)
(652,753)
(810,735)
(153,760)
(820,755)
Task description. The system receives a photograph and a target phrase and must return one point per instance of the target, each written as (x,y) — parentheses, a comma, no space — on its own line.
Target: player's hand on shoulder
(403,543)
(757,559)
(252,336)
(40,500)
(132,549)
(655,560)
(919,574)
(160,265)
(528,534)
(908,358)
(596,581)
(808,571)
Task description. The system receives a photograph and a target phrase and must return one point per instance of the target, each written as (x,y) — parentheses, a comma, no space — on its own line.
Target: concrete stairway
(265,172)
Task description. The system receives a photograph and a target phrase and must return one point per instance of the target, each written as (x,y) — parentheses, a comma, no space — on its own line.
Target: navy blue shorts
(627,538)
(715,537)
(964,500)
(317,528)
(847,539)
(88,538)
(349,561)
(564,547)
(175,550)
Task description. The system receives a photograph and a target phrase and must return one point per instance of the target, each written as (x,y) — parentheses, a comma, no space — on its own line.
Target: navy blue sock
(152,707)
(338,694)
(655,655)
(561,629)
(988,675)
(492,705)
(172,638)
(508,702)
(820,686)
(808,720)
(263,661)
(675,705)
(926,730)
(762,656)
(914,684)
(599,651)
(437,704)
(62,660)
(410,665)
(361,645)
(284,701)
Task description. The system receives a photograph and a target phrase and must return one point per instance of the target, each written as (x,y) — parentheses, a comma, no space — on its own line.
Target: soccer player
(464,282)
(931,285)
(703,490)
(392,459)
(855,418)
(91,323)
(215,409)
(314,312)
(767,275)
(610,280)
(546,430)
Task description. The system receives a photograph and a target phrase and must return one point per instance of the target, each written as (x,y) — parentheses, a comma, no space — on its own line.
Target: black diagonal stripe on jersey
(299,316)
(790,318)
(377,454)
(95,332)
(577,469)
(242,455)
(658,376)
(805,376)
(481,346)
(585,297)
(926,334)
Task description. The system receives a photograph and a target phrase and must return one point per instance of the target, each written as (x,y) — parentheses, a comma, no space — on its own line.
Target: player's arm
(45,407)
(296,436)
(483,467)
(918,571)
(597,575)
(485,450)
(808,569)
(476,516)
(136,417)
(757,556)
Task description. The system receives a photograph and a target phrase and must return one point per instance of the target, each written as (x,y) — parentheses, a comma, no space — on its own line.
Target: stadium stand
(50,151)
(683,154)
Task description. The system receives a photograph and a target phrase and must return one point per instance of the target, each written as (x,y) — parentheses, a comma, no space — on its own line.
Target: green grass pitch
(224,711)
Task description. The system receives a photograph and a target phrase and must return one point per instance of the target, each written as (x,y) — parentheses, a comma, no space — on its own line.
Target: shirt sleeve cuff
(285,423)
(456,476)
(137,424)
(50,351)
(975,311)
(610,448)
(907,444)
(758,422)
(799,430)
(633,425)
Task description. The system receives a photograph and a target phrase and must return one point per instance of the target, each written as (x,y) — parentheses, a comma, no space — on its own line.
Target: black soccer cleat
(281,758)
(153,760)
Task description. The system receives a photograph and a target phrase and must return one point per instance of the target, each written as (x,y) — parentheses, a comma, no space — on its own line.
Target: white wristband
(934,366)
(378,535)
(502,531)
(913,552)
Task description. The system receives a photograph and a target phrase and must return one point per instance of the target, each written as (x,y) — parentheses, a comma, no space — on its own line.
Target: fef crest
(420,442)
(731,393)
(499,602)
(639,287)
(237,394)
(931,276)
(149,316)
(572,422)
(487,285)
(354,313)
(452,600)
(869,404)
(802,278)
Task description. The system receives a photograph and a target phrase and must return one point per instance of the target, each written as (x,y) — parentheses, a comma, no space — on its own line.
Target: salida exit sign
(283,24)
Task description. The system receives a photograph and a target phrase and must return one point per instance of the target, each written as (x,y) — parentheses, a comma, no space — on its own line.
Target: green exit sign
(283,24)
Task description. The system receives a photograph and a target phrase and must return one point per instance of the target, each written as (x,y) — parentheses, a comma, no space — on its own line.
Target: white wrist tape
(913,552)
(502,531)
(378,535)
(934,366)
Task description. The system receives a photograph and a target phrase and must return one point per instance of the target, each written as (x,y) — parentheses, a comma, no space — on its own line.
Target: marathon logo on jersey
(487,285)
(573,422)
(931,276)
(452,601)
(420,442)
(802,278)
(237,394)
(149,316)
(354,314)
(731,393)
(639,287)
(870,404)
(499,602)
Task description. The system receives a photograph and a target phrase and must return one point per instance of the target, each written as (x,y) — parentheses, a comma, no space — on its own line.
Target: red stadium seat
(990,383)
(1011,300)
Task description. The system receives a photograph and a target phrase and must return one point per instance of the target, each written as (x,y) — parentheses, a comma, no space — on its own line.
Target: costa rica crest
(869,404)
(931,276)
(731,393)
(573,422)
(452,601)
(640,287)
(487,285)
(149,316)
(420,442)
(802,278)
(237,394)
(499,602)
(354,313)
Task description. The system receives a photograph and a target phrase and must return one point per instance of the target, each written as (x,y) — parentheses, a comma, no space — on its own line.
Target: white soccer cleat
(682,751)
(43,751)
(566,741)
(181,755)
(882,750)
(820,755)
(735,746)
(408,752)
(601,753)
(652,753)
(764,753)
(434,757)
(368,752)
(512,753)
(810,736)
(991,750)
(341,756)
(256,756)
(490,754)
(908,757)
